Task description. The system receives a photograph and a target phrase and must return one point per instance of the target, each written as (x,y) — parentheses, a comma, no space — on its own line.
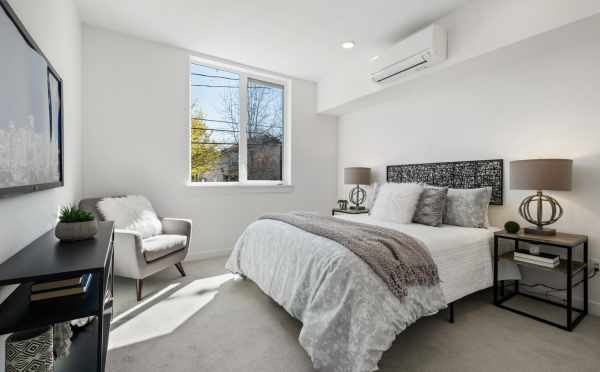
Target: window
(238,127)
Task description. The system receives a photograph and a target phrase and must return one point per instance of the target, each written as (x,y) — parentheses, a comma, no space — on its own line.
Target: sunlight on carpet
(164,312)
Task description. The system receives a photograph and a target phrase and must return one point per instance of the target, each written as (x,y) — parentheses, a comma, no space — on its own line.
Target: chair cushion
(132,212)
(159,246)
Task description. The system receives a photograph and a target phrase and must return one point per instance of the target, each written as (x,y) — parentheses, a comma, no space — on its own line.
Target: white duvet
(463,255)
(349,315)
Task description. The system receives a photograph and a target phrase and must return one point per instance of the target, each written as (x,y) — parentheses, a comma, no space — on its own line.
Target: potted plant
(75,224)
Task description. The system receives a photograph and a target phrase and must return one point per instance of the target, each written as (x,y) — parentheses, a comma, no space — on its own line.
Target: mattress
(462,254)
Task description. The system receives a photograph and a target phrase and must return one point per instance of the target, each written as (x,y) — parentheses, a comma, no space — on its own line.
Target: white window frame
(245,74)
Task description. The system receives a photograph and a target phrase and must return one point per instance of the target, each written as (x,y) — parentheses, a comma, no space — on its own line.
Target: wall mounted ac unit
(417,52)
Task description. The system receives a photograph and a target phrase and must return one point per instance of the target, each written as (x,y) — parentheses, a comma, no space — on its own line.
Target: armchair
(138,258)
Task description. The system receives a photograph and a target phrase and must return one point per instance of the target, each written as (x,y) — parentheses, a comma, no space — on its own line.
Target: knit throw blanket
(398,259)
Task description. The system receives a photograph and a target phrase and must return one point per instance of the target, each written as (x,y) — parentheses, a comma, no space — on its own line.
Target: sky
(209,85)
(209,99)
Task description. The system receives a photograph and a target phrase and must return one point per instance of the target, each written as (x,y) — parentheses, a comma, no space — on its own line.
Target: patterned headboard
(458,175)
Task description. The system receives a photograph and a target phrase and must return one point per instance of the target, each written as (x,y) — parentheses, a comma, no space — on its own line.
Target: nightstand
(567,267)
(349,211)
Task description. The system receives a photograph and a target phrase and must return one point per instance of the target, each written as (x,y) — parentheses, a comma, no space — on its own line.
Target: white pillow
(397,202)
(372,195)
(132,212)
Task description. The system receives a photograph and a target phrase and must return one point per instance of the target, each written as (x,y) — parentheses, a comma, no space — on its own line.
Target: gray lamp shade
(357,176)
(541,174)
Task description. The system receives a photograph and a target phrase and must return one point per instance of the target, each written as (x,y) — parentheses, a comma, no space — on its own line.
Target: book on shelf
(77,289)
(55,284)
(540,257)
(539,263)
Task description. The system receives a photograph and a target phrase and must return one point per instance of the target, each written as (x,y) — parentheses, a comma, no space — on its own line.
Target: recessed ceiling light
(348,44)
(374,58)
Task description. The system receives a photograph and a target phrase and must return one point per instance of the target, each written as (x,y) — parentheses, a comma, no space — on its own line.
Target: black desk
(47,259)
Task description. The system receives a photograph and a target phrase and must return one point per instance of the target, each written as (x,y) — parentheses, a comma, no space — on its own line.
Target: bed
(463,255)
(349,316)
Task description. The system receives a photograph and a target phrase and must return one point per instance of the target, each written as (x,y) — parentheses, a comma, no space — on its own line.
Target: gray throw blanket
(398,259)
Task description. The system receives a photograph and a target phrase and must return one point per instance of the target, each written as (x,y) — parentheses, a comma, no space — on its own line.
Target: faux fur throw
(398,259)
(132,212)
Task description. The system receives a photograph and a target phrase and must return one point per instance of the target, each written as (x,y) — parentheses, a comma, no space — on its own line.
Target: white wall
(538,98)
(476,28)
(136,123)
(56,28)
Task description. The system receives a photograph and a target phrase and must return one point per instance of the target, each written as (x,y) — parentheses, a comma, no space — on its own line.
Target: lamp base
(357,196)
(525,211)
(539,231)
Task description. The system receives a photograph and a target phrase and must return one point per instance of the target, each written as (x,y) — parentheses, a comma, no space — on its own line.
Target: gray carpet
(196,324)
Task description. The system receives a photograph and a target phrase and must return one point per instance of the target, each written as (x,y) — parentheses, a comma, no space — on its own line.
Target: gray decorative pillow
(430,209)
(467,207)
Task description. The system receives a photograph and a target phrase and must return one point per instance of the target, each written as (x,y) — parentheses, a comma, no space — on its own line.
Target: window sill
(242,187)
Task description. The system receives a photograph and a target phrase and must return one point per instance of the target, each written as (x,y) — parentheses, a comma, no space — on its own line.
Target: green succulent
(512,227)
(70,213)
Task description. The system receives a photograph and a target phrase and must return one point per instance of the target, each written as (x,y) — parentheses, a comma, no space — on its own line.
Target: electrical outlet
(595,265)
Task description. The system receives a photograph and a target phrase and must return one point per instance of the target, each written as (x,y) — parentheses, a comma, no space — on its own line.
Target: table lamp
(540,174)
(357,176)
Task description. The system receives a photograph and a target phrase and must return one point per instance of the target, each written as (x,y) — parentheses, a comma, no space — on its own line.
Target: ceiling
(297,38)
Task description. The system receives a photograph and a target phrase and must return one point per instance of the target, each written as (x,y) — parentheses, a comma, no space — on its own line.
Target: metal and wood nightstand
(349,211)
(567,267)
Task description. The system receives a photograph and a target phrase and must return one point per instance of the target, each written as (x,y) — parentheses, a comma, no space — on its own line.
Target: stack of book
(61,288)
(541,259)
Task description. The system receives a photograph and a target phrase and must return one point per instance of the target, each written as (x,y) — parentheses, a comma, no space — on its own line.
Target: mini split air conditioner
(421,50)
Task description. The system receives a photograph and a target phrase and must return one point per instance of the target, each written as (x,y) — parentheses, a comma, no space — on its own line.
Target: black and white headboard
(457,174)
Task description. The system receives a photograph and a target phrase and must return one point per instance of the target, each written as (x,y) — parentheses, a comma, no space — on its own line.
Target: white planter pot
(73,231)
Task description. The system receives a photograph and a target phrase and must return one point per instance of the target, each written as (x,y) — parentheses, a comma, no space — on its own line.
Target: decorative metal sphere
(556,211)
(357,196)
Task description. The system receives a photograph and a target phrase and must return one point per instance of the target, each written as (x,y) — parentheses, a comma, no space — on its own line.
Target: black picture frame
(52,73)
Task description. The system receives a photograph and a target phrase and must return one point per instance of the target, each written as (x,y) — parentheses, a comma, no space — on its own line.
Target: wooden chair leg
(179,267)
(138,288)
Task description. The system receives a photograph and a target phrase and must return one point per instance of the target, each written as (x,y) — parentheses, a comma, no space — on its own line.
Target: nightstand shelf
(568,268)
(576,266)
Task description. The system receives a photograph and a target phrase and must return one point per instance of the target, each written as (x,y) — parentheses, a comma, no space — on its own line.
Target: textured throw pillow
(468,207)
(133,212)
(397,202)
(431,205)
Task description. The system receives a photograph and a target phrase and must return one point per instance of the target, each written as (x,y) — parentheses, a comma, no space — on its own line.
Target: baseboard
(594,308)
(205,255)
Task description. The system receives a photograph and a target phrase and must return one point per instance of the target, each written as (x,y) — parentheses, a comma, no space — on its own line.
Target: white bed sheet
(462,254)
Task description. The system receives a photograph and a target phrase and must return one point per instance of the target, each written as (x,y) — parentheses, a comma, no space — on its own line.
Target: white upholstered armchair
(138,258)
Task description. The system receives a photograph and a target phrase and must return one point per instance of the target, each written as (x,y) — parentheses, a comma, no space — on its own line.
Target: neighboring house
(264,161)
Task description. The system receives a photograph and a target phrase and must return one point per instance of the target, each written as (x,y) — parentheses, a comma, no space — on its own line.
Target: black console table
(47,259)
